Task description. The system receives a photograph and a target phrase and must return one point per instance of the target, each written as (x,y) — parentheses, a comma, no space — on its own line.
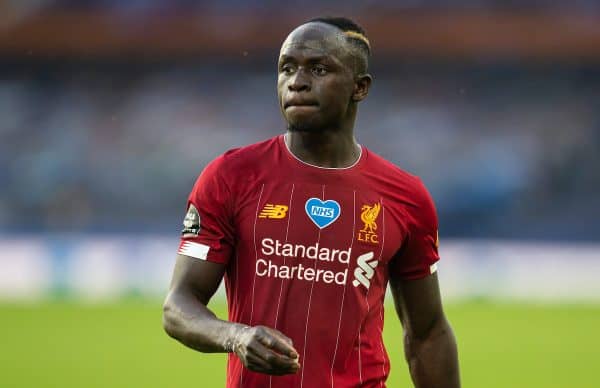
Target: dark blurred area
(110,109)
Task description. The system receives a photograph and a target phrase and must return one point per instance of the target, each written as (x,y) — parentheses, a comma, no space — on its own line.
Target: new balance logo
(273,211)
(365,270)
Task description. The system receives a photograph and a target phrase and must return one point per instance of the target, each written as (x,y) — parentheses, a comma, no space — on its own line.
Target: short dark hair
(355,35)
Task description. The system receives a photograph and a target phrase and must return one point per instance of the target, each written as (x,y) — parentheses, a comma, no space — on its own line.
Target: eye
(319,70)
(287,68)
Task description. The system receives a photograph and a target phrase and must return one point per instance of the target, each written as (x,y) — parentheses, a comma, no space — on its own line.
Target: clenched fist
(264,350)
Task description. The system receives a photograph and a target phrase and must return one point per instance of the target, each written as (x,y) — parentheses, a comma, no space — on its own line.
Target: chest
(335,228)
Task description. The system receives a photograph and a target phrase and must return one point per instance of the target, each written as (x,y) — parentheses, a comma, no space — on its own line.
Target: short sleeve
(207,227)
(418,255)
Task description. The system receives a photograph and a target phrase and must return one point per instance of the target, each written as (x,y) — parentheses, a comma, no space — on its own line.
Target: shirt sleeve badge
(191,222)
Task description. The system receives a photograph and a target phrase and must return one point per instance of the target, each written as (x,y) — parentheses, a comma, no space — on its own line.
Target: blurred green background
(66,343)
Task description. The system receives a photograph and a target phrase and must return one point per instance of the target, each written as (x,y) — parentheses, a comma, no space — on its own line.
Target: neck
(330,149)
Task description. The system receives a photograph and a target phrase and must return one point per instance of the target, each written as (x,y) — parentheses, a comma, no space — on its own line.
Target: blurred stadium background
(109,110)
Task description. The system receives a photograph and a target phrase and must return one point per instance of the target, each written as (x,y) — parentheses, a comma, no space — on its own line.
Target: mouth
(300,104)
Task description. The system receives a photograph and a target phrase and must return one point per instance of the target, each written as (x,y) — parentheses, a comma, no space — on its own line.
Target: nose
(299,81)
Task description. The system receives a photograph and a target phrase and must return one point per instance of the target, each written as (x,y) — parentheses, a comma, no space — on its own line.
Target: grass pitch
(69,344)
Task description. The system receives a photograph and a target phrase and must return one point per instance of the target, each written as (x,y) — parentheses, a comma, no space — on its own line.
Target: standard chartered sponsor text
(294,269)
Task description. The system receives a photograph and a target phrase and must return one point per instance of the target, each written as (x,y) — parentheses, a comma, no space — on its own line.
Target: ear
(362,84)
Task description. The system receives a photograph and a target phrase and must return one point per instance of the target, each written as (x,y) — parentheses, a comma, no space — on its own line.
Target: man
(307,228)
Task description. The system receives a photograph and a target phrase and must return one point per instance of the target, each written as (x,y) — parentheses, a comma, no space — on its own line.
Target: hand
(265,350)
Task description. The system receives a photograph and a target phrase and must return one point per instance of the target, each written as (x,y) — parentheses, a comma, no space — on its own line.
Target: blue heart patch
(322,213)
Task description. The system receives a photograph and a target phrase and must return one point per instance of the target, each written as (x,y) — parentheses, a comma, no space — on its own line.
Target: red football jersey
(309,251)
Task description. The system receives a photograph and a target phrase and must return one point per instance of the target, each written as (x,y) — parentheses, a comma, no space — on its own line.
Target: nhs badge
(322,213)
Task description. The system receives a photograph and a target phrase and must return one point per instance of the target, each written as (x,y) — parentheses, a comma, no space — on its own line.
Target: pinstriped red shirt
(309,251)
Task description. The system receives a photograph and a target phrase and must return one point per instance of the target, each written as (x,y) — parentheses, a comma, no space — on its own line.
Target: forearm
(189,321)
(433,359)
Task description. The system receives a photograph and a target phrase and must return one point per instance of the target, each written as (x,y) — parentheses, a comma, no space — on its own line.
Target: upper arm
(200,278)
(208,228)
(413,276)
(418,304)
(207,239)
(418,254)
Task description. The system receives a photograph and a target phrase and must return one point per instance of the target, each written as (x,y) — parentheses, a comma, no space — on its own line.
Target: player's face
(315,79)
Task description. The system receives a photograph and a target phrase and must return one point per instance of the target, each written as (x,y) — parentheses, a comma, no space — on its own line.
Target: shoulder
(222,177)
(399,184)
(237,161)
(405,193)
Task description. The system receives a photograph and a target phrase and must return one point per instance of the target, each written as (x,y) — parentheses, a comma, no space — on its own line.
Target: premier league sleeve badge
(191,222)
